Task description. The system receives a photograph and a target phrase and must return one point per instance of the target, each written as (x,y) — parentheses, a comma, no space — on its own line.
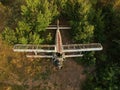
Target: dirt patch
(70,77)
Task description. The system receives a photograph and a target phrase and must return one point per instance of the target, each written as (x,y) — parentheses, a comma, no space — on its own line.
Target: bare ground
(70,77)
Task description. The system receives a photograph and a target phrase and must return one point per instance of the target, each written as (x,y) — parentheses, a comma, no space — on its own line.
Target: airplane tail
(58,26)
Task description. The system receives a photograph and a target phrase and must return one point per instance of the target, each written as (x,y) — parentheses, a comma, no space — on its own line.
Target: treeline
(98,21)
(30,24)
(91,21)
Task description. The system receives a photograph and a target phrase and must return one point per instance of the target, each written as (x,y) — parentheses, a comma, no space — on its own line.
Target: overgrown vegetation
(97,21)
(91,21)
(35,17)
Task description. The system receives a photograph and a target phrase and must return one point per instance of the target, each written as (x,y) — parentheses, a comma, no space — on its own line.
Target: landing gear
(57,60)
(58,63)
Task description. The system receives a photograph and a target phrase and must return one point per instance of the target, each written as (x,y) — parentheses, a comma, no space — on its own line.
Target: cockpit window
(59,54)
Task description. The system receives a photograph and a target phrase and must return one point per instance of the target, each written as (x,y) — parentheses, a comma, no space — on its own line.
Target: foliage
(106,76)
(99,24)
(60,4)
(83,31)
(9,36)
(36,16)
(78,13)
(91,21)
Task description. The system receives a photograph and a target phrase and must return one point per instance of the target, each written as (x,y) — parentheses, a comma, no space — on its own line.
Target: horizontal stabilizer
(60,27)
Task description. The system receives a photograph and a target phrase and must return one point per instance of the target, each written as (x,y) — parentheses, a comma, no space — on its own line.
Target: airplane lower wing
(39,56)
(69,56)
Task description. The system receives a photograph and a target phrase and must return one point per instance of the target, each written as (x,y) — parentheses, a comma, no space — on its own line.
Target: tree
(106,76)
(60,4)
(99,24)
(78,13)
(9,36)
(36,16)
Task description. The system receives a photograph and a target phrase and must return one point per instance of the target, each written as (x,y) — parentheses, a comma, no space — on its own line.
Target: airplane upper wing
(34,48)
(82,47)
(36,51)
(75,50)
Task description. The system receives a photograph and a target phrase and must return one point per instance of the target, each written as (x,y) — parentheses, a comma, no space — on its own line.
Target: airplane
(57,52)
